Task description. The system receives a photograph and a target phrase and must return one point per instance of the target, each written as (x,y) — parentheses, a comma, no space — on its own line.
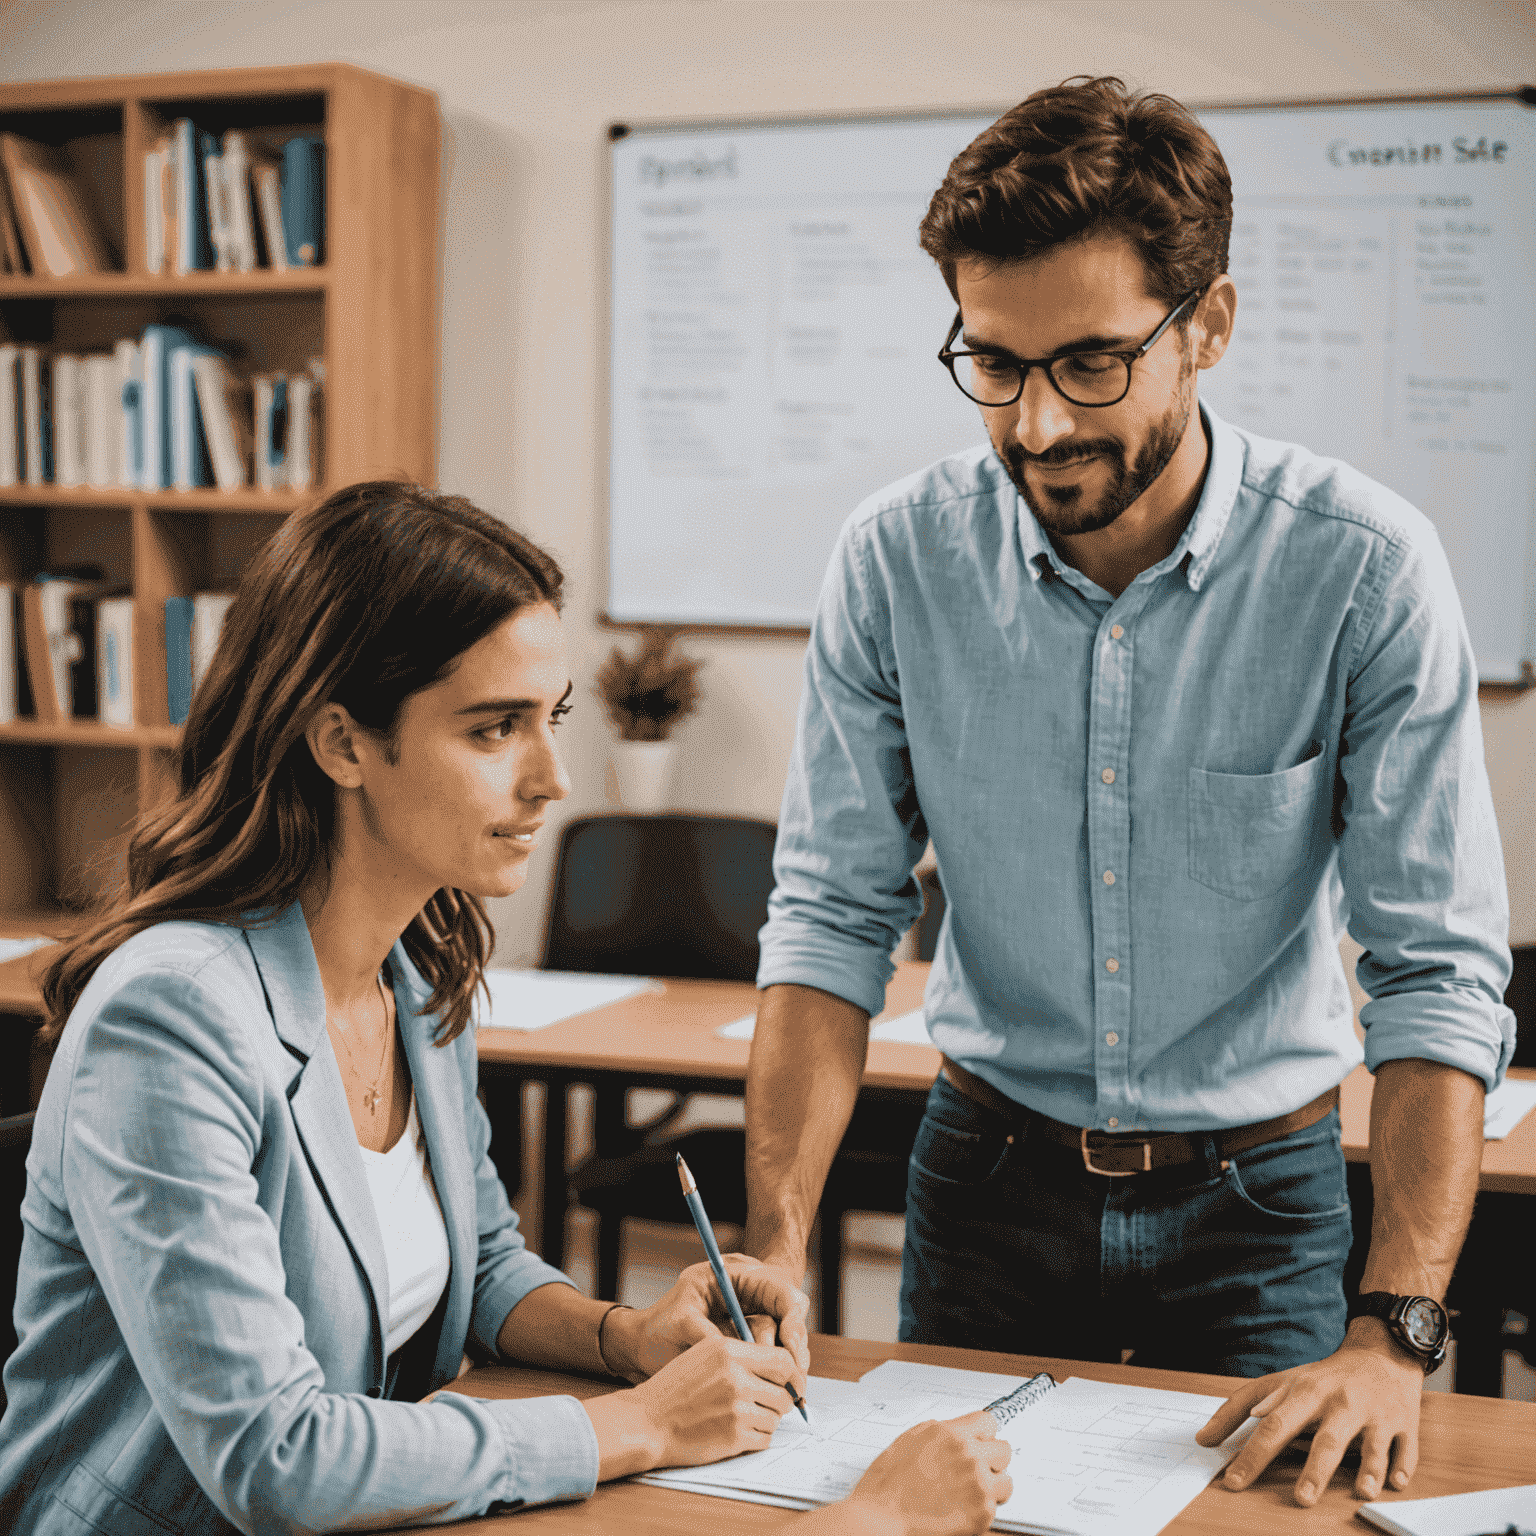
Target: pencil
(716,1263)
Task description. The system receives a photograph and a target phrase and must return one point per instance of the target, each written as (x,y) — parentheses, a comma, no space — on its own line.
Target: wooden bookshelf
(69,793)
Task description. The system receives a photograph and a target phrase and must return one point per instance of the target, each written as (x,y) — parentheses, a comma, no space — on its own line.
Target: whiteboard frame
(1523,94)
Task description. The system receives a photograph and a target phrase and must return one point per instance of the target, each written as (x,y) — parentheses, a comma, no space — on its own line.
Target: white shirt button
(1109,877)
(1111,966)
(1113,1122)
(1111,1038)
(1115,632)
(1108,775)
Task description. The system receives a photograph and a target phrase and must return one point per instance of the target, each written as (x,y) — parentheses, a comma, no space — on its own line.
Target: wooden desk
(667,1040)
(1465,1443)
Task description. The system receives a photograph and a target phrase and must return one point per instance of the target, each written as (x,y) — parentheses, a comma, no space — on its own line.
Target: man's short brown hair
(1086,157)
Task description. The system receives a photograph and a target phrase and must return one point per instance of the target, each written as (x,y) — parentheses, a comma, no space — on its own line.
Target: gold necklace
(371,1096)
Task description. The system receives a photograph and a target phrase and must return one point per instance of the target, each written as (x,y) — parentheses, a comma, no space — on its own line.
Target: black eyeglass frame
(1023,365)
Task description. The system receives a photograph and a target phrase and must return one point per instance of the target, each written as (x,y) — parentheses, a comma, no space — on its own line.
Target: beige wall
(527,88)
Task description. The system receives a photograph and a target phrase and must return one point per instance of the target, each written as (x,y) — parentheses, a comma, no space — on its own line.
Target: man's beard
(1062,509)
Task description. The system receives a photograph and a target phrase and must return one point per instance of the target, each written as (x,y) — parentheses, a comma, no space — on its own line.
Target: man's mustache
(1063,453)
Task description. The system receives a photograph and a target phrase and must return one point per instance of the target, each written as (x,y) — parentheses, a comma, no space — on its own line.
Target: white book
(114,662)
(10,414)
(130,417)
(208,610)
(103,403)
(237,193)
(9,660)
(184,167)
(32,413)
(156,162)
(268,182)
(218,213)
(217,392)
(303,431)
(271,471)
(68,420)
(64,646)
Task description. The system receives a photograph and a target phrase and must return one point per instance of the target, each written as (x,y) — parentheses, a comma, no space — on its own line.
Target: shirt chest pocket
(1251,833)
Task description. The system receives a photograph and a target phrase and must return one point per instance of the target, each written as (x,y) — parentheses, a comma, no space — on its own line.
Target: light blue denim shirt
(1155,813)
(204,1287)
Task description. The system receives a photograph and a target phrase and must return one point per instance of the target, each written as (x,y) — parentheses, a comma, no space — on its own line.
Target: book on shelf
(224,407)
(114,662)
(59,644)
(36,444)
(302,451)
(67,387)
(12,257)
(270,392)
(128,361)
(10,414)
(155,348)
(235,165)
(103,419)
(58,230)
(193,250)
(160,223)
(10,653)
(304,199)
(192,628)
(189,453)
(267,189)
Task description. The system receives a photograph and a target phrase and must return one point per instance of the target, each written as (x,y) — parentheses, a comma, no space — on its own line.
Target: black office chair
(672,895)
(15,1143)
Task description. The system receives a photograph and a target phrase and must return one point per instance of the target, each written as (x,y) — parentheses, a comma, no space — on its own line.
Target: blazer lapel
(285,958)
(440,1107)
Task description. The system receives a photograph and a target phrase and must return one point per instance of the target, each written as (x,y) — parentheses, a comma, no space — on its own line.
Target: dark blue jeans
(1017,1247)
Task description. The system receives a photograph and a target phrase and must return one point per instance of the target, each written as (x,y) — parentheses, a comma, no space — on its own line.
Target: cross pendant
(371,1100)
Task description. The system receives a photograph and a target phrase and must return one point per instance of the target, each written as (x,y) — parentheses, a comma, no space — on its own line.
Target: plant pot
(642,772)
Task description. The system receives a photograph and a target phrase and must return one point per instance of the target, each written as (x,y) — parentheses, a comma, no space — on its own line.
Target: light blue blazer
(200,1302)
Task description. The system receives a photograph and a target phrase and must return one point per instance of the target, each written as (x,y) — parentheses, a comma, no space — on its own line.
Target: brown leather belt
(1116,1156)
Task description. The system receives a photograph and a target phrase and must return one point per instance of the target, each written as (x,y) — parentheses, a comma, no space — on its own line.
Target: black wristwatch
(1418,1323)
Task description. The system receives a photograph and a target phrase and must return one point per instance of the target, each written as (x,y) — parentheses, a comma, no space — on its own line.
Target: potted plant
(645,695)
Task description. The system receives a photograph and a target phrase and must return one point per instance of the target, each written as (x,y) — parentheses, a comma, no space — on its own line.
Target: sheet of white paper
(536,999)
(1456,1514)
(1097,1459)
(904,1029)
(14,949)
(1507,1106)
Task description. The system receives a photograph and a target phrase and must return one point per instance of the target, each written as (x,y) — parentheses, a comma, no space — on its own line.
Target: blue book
(133,427)
(190,466)
(194,239)
(178,658)
(158,342)
(304,200)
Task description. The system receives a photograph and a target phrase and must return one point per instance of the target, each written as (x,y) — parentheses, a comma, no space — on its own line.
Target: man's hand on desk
(1370,1388)
(639,1343)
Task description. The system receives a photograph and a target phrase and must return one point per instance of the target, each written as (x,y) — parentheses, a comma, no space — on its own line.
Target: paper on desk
(14,949)
(1507,1106)
(536,999)
(905,1029)
(1456,1514)
(1089,1458)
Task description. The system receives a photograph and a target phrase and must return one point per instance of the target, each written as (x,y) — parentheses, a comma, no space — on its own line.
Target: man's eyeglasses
(1082,378)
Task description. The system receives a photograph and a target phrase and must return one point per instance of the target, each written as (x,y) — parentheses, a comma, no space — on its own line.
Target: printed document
(536,999)
(905,1029)
(1090,1458)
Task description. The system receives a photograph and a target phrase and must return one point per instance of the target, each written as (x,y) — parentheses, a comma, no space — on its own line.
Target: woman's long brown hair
(363,600)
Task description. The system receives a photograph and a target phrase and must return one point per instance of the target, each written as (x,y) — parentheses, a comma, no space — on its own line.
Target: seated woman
(261,1220)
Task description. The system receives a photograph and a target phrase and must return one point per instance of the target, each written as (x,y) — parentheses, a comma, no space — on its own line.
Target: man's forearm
(808,1053)
(1426,1154)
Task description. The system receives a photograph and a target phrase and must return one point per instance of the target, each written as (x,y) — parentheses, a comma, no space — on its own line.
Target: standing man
(1174,704)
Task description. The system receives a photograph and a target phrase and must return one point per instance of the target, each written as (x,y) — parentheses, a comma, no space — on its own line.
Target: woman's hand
(637,1344)
(718,1399)
(937,1479)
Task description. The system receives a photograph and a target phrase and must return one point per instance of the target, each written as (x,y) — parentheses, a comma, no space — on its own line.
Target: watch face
(1424,1322)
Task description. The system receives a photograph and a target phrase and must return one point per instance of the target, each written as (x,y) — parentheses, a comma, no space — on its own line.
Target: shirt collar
(1197,545)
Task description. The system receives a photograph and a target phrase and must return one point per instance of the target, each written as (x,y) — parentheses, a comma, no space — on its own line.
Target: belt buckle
(1117,1173)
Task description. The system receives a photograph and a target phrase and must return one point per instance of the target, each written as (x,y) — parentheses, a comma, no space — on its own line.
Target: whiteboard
(774,325)
(1385,262)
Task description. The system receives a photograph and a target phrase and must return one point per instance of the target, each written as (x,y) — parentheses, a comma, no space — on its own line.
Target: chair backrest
(671,895)
(1521,997)
(15,1142)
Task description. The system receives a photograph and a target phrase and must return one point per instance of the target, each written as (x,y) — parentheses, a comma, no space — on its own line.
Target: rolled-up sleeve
(1419,853)
(851,829)
(161,1166)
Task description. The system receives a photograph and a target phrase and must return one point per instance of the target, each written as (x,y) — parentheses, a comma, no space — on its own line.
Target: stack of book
(233,205)
(66,649)
(47,225)
(165,411)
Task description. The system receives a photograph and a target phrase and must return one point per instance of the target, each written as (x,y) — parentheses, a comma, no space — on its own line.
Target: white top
(415,1237)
